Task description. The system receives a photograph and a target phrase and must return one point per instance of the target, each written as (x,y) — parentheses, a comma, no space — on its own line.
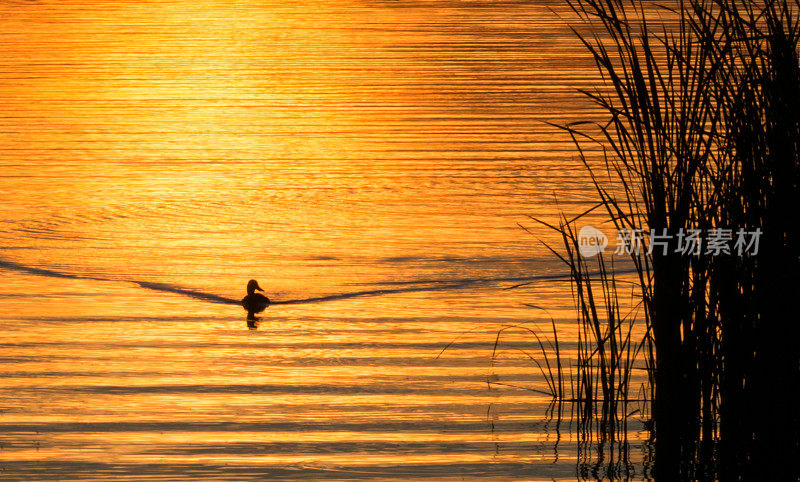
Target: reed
(703,132)
(753,298)
(613,342)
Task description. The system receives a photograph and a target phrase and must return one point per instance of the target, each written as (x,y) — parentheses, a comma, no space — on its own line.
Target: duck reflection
(254,303)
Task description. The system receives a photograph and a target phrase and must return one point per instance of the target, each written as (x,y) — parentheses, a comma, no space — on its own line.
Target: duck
(254,302)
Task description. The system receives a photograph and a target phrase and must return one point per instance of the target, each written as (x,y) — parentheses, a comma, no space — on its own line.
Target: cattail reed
(702,134)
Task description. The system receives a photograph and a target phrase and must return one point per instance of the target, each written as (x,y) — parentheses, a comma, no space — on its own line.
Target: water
(378,155)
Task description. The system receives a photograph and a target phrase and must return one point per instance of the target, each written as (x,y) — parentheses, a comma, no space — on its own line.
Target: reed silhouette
(702,133)
(597,388)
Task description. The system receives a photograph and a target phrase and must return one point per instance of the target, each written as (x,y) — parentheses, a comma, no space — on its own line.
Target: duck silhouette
(254,302)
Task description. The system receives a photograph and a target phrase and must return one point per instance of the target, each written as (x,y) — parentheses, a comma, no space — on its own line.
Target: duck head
(252,286)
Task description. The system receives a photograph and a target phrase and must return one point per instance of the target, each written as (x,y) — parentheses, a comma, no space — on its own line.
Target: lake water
(379,155)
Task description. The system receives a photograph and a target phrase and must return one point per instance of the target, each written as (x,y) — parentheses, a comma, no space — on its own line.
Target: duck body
(254,302)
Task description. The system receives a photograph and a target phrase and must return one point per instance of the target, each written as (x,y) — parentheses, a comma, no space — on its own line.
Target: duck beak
(258,288)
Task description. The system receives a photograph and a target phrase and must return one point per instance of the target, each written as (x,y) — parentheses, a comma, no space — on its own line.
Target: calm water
(155,155)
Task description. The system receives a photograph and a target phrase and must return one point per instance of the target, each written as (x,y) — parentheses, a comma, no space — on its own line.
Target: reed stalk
(703,132)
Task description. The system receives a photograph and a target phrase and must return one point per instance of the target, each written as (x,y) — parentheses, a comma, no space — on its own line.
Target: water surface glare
(367,162)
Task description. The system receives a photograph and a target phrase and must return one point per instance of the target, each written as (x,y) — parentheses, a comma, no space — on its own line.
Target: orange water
(323,148)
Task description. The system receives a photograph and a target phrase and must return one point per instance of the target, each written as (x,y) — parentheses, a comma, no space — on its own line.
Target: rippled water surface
(369,161)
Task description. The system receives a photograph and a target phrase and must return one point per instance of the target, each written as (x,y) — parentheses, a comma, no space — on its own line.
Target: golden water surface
(155,155)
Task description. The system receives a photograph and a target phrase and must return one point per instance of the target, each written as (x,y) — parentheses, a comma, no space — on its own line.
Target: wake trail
(432,285)
(163,287)
(436,285)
